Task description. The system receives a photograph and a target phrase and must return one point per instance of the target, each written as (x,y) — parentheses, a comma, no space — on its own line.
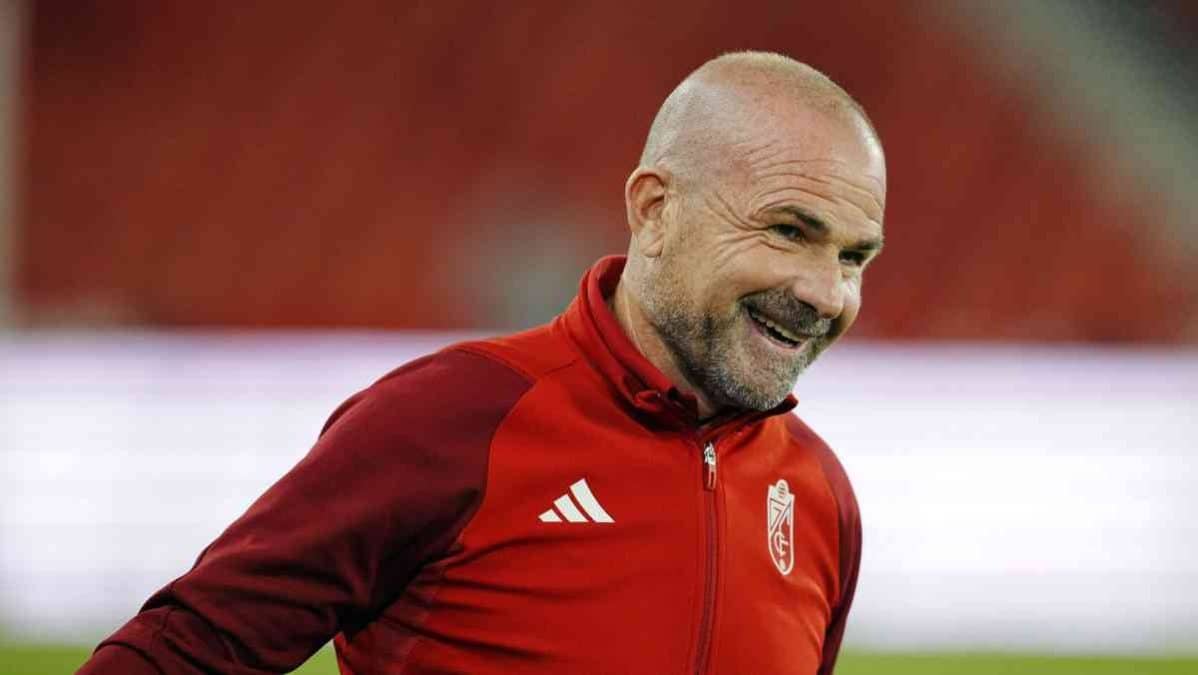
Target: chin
(744,395)
(745,381)
(763,403)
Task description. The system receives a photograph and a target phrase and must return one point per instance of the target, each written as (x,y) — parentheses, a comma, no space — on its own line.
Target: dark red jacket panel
(393,478)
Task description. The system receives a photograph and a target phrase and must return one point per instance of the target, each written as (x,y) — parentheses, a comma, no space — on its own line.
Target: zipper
(709,466)
(702,651)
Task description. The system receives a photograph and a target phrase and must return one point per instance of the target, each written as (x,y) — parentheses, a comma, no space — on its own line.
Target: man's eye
(854,258)
(791,232)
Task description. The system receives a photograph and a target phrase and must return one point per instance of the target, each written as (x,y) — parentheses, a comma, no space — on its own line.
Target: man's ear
(645,200)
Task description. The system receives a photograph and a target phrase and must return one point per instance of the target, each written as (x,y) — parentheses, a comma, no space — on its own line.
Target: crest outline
(779,525)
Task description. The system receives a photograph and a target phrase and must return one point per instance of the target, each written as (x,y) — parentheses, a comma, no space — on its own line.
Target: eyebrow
(812,221)
(815,223)
(868,245)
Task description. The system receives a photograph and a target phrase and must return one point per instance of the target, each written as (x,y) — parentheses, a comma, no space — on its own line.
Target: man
(620,491)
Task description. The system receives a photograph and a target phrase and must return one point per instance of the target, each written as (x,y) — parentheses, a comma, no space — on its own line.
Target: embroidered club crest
(780,525)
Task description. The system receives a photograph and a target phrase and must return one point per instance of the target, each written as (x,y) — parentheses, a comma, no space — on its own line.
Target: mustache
(788,311)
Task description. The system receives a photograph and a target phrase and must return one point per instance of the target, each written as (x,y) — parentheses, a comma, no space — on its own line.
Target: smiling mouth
(779,335)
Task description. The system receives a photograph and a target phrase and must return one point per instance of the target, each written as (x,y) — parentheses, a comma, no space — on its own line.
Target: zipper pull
(709,466)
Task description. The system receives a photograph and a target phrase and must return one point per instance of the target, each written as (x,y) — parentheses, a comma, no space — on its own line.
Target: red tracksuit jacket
(539,503)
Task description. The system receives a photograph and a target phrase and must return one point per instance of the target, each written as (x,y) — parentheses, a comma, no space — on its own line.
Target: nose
(822,286)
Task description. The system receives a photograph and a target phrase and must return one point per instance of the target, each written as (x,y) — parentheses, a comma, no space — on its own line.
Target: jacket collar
(592,326)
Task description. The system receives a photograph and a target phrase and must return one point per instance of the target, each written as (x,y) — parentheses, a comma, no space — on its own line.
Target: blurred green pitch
(25,659)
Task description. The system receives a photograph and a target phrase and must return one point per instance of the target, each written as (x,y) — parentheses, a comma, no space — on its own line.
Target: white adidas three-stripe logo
(565,508)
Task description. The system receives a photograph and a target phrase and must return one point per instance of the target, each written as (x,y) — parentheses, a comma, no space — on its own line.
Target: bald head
(756,207)
(726,99)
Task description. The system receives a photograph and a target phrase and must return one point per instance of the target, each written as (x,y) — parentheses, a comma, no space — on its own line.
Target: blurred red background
(456,165)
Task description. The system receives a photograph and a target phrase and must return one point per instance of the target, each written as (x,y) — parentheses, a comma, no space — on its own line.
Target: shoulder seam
(485,488)
(822,448)
(471,348)
(840,535)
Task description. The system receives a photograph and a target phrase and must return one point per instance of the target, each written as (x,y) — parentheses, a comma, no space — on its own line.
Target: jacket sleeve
(397,472)
(850,565)
(848,528)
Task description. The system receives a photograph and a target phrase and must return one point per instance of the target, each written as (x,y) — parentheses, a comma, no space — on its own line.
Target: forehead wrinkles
(733,239)
(748,153)
(824,179)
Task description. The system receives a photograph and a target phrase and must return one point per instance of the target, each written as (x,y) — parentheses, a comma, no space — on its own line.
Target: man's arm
(398,471)
(850,564)
(848,528)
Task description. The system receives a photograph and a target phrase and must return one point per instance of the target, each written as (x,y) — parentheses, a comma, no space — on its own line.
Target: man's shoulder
(799,432)
(434,390)
(848,518)
(465,376)
(838,479)
(534,353)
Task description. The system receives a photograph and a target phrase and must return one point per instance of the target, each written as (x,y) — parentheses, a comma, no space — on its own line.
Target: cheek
(719,287)
(682,287)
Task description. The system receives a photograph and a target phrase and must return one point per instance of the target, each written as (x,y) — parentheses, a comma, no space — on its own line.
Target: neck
(631,317)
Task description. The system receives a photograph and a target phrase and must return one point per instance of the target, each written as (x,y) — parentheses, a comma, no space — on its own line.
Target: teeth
(785,333)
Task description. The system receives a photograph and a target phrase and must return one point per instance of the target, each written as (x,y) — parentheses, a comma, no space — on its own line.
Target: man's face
(763,257)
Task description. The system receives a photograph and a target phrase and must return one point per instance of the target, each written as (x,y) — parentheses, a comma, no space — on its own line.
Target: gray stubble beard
(707,354)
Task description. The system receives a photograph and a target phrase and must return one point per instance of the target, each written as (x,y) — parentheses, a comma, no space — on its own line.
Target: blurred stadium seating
(394,166)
